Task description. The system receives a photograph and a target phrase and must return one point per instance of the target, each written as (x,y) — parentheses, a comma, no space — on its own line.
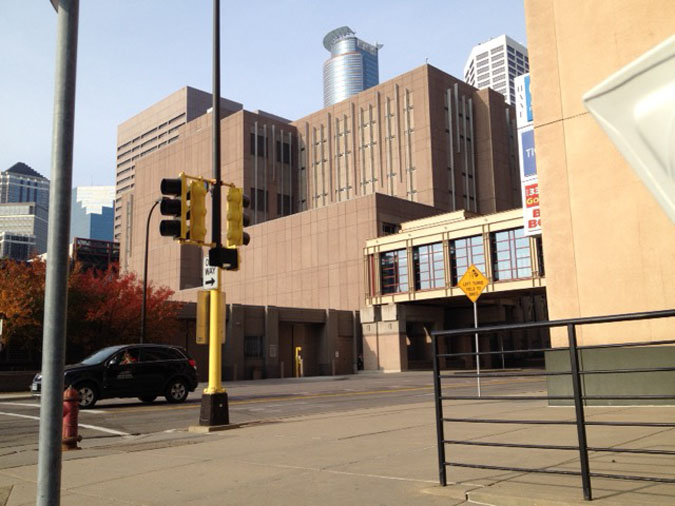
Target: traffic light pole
(214,409)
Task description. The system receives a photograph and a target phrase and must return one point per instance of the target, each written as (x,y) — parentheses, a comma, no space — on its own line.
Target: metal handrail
(575,373)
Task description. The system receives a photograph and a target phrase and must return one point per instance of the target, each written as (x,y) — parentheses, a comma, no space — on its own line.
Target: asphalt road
(249,401)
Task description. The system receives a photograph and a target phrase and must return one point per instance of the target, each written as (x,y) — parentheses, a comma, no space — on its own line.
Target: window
(465,252)
(155,354)
(429,270)
(283,205)
(390,228)
(262,151)
(511,255)
(253,346)
(258,199)
(394,271)
(286,152)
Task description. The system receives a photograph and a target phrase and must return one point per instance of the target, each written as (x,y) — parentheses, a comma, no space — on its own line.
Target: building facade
(412,279)
(423,136)
(495,64)
(352,66)
(154,128)
(91,213)
(24,212)
(609,247)
(421,144)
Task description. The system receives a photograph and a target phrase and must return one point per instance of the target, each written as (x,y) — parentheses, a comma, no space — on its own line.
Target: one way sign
(210,276)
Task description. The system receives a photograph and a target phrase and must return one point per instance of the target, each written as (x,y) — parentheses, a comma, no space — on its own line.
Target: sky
(133,53)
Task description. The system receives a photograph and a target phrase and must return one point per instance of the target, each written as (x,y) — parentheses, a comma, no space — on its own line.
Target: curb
(18,396)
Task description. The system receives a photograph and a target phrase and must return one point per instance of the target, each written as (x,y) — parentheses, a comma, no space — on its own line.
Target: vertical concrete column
(233,353)
(393,350)
(328,343)
(271,343)
(356,337)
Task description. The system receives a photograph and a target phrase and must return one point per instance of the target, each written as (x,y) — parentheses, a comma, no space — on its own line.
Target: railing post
(442,476)
(579,409)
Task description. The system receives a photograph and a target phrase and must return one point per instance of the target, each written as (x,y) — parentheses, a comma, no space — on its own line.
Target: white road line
(30,405)
(30,417)
(103,429)
(92,427)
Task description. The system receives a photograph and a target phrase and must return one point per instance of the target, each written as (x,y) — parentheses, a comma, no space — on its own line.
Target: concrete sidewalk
(383,456)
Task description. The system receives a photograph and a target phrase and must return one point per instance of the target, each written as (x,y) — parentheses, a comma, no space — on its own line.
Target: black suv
(139,370)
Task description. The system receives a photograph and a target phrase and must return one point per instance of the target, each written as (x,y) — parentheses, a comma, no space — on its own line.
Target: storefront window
(429,270)
(511,255)
(394,271)
(465,252)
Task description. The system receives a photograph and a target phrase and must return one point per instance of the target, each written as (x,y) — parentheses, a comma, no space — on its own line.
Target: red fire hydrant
(71,408)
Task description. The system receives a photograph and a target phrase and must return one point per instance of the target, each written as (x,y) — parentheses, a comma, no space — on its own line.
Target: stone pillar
(371,344)
(393,350)
(271,343)
(328,344)
(233,352)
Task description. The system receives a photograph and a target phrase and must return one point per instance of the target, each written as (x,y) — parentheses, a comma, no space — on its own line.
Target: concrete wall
(645,383)
(608,246)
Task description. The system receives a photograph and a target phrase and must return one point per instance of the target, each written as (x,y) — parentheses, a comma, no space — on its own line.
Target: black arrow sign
(210,281)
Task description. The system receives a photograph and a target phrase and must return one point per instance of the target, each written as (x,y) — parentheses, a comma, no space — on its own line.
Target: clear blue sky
(133,53)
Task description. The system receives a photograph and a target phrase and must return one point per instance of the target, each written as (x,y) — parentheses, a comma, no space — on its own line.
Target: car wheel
(147,399)
(88,395)
(176,391)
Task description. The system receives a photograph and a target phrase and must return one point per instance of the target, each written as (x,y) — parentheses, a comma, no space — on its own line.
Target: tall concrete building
(156,127)
(91,215)
(24,211)
(495,64)
(351,68)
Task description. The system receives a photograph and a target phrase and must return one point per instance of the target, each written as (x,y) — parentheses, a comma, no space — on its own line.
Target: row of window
(510,259)
(282,153)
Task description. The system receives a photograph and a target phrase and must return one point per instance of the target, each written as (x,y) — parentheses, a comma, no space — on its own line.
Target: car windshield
(100,355)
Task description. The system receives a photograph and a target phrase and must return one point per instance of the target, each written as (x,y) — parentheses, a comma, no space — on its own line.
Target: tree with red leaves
(104,308)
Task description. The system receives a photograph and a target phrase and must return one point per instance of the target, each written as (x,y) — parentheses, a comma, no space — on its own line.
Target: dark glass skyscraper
(351,68)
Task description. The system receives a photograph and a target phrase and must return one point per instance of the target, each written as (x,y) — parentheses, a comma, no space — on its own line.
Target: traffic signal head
(236,218)
(174,205)
(197,211)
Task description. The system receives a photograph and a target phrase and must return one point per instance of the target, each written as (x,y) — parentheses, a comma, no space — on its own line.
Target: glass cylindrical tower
(351,68)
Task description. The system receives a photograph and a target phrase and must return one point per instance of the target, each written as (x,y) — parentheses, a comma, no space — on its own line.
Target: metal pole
(145,270)
(442,475)
(56,284)
(579,409)
(475,325)
(215,220)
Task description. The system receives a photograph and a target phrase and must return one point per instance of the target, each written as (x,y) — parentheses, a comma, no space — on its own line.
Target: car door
(120,375)
(157,363)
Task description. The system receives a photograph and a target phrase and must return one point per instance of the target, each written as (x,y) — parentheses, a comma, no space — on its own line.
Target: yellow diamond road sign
(473,283)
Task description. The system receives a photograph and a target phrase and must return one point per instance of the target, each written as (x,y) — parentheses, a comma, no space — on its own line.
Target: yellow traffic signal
(197,212)
(236,219)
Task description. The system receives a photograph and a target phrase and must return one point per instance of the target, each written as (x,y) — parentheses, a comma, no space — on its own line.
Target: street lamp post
(145,270)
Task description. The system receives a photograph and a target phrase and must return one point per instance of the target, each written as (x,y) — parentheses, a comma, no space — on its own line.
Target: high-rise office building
(91,214)
(24,211)
(495,64)
(351,68)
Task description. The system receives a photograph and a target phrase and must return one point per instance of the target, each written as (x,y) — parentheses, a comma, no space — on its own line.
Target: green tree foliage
(104,308)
